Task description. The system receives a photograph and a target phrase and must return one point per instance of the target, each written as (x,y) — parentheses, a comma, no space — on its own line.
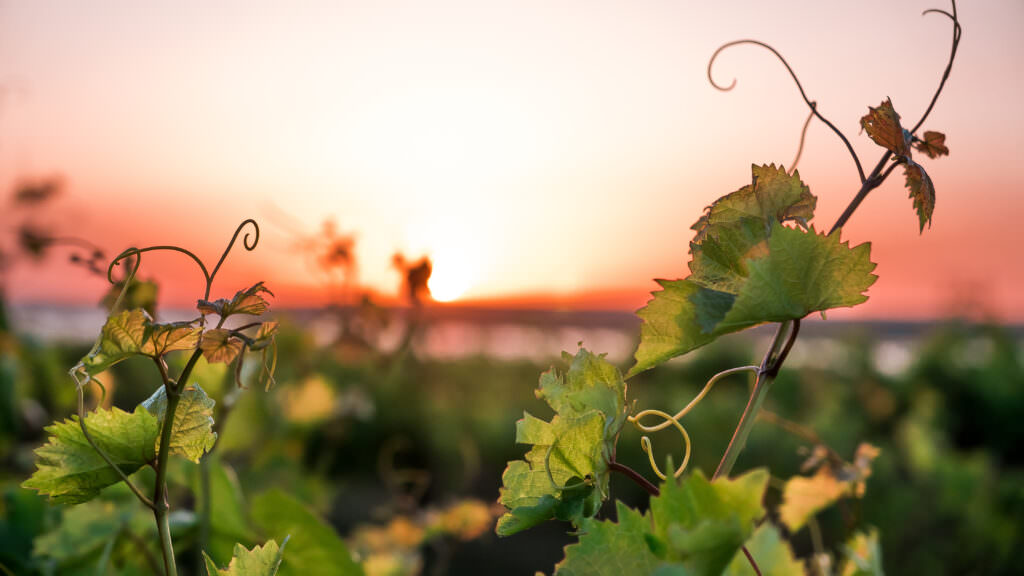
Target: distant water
(504,335)
(537,335)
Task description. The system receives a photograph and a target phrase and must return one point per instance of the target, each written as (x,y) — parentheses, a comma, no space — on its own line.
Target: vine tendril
(810,104)
(645,443)
(208,277)
(245,243)
(803,138)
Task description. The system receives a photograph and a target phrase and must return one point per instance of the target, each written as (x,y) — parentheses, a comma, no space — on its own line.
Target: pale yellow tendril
(645,441)
(673,420)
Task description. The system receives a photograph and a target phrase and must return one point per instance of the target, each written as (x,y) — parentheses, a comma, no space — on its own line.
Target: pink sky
(529,147)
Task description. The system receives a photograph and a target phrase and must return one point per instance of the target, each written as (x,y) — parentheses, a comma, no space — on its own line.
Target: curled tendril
(796,80)
(245,242)
(673,420)
(249,241)
(645,441)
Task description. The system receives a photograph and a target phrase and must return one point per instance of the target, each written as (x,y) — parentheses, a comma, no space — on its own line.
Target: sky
(549,153)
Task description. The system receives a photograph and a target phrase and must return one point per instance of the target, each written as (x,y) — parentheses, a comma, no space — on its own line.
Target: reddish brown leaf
(933,144)
(248,301)
(219,345)
(883,126)
(922,191)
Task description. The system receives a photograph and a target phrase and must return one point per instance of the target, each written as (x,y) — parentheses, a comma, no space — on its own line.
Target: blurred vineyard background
(395,424)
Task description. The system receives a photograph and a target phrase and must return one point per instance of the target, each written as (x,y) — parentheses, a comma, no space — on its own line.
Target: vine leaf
(192,433)
(85,529)
(773,555)
(220,346)
(70,470)
(932,145)
(805,496)
(612,548)
(249,301)
(565,473)
(121,337)
(171,337)
(695,527)
(314,548)
(922,191)
(863,555)
(228,523)
(133,332)
(883,126)
(749,268)
(804,272)
(260,561)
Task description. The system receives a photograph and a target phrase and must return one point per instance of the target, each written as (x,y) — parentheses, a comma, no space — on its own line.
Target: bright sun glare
(448,282)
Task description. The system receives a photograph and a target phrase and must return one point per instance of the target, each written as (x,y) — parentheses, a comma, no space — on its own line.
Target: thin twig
(803,138)
(750,559)
(635,477)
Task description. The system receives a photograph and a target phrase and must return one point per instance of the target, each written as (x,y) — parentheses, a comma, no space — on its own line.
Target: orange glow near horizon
(540,154)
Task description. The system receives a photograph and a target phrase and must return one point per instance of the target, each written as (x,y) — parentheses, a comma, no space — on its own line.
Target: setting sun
(449,282)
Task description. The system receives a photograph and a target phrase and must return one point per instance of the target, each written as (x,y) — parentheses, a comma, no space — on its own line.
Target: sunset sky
(555,149)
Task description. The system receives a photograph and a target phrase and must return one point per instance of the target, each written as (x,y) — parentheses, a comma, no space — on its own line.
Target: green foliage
(70,470)
(748,268)
(228,522)
(260,561)
(863,555)
(693,527)
(192,433)
(565,474)
(314,548)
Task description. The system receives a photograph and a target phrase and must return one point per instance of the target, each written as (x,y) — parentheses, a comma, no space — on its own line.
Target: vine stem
(635,477)
(773,359)
(161,506)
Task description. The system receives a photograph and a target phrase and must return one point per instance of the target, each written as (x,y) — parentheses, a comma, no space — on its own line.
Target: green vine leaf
(260,561)
(922,191)
(612,548)
(565,473)
(804,272)
(85,529)
(749,268)
(694,527)
(192,434)
(122,336)
(70,470)
(932,145)
(220,346)
(249,301)
(773,555)
(314,548)
(883,126)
